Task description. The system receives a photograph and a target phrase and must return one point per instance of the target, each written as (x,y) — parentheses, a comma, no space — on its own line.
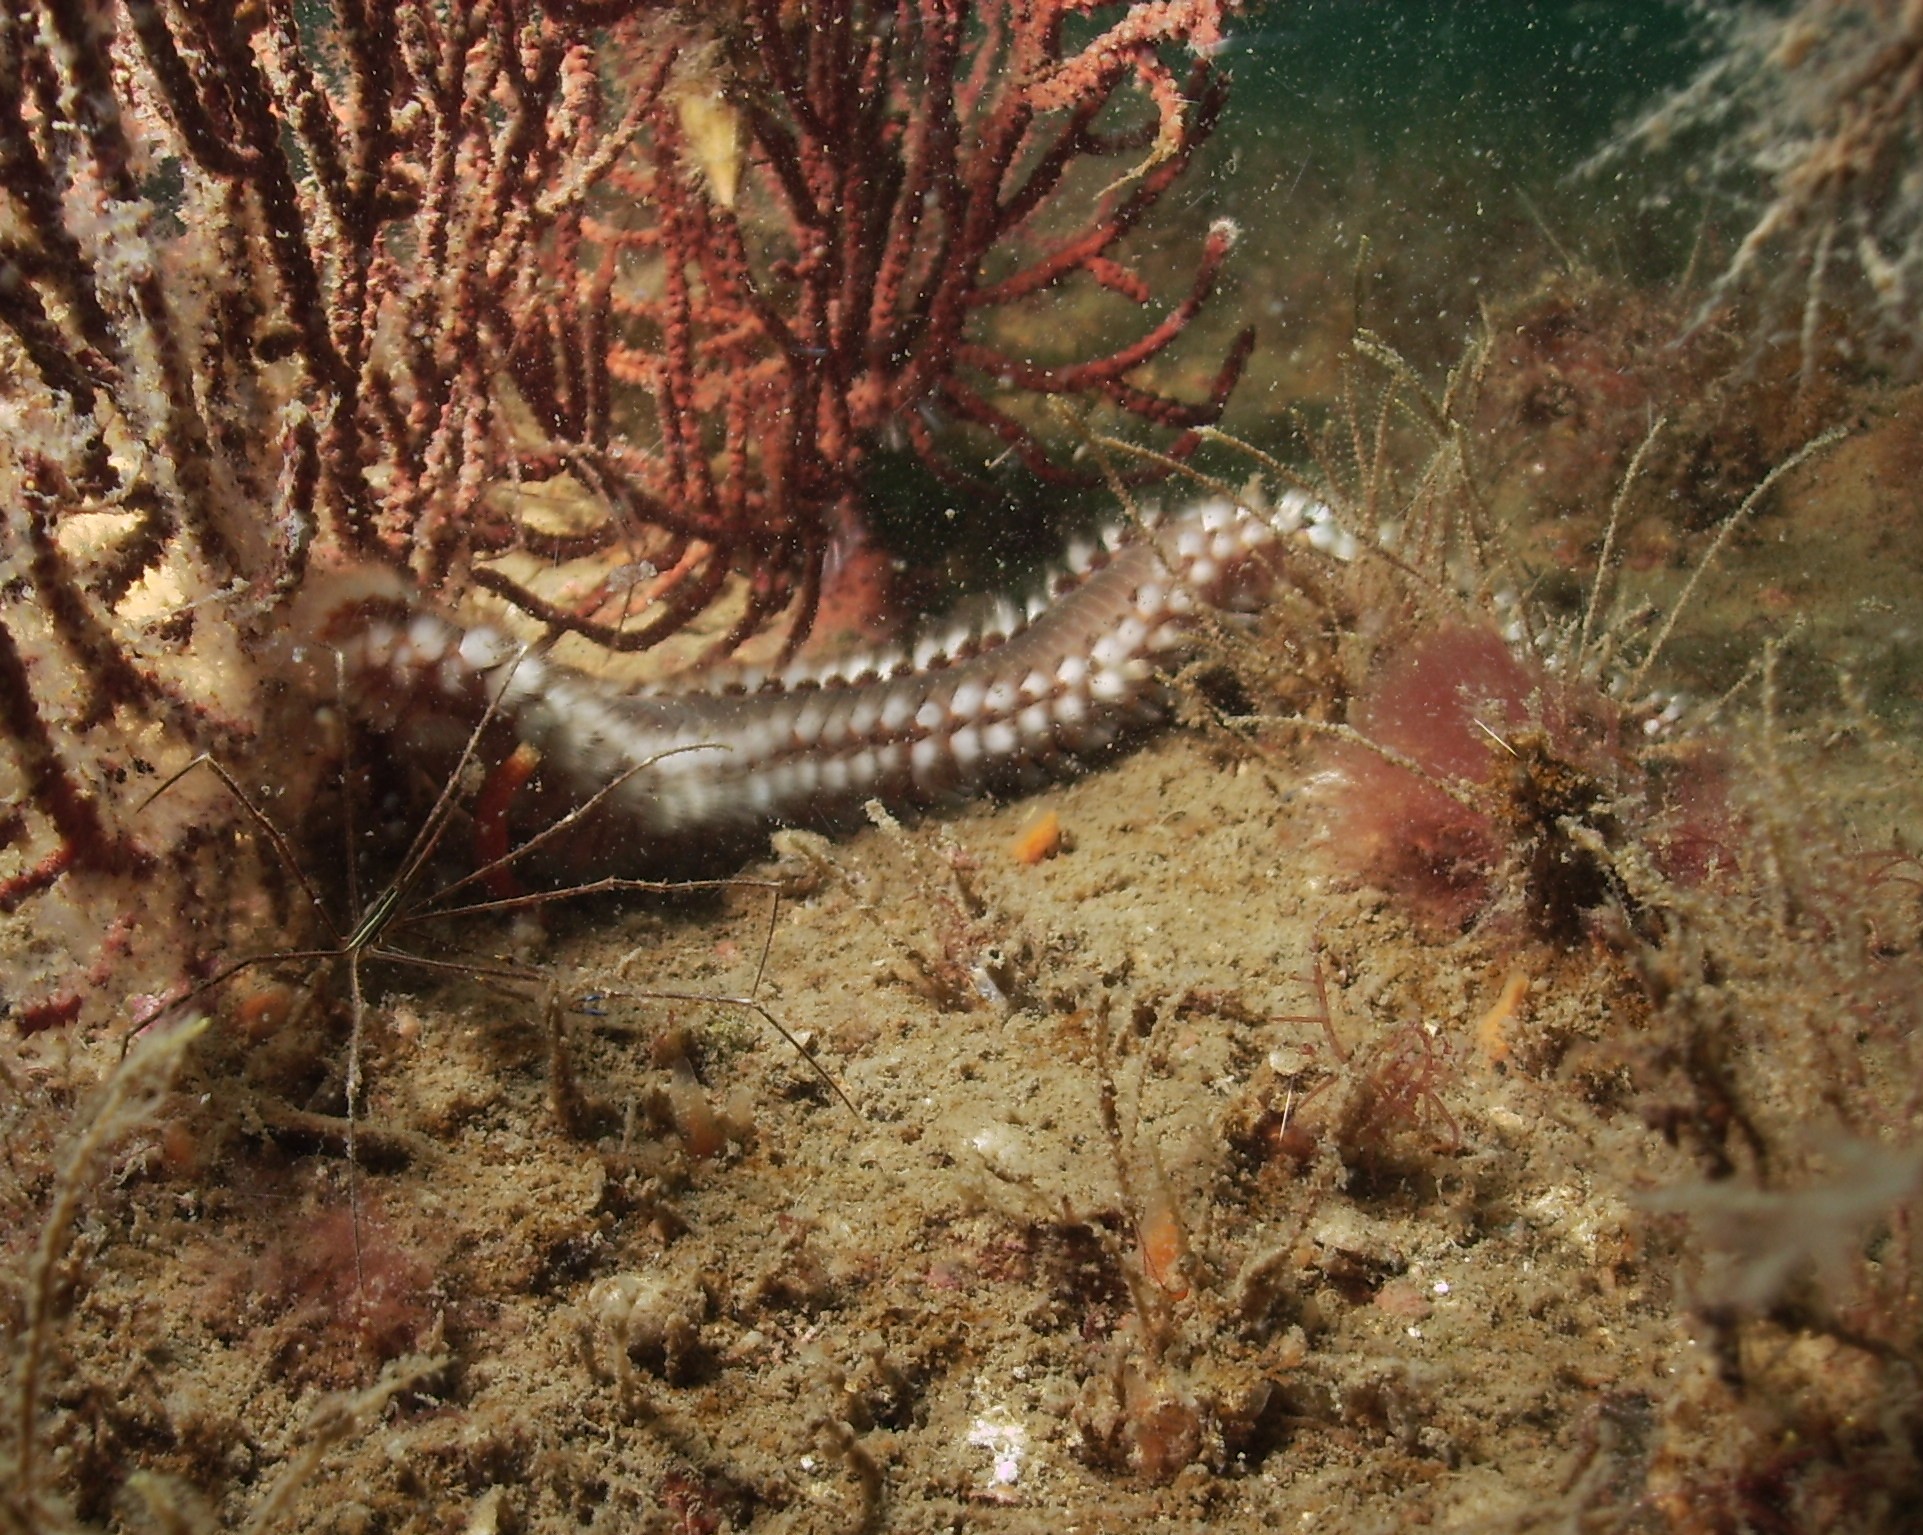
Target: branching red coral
(901,158)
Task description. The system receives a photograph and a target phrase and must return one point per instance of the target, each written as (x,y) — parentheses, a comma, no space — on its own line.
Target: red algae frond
(1477,766)
(1424,828)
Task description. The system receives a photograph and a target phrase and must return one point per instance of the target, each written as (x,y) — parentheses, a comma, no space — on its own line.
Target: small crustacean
(1001,706)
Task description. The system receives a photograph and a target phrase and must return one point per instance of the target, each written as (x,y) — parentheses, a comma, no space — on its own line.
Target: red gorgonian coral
(832,200)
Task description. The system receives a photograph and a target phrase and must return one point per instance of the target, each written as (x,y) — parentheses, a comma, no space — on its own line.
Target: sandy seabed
(1131,1222)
